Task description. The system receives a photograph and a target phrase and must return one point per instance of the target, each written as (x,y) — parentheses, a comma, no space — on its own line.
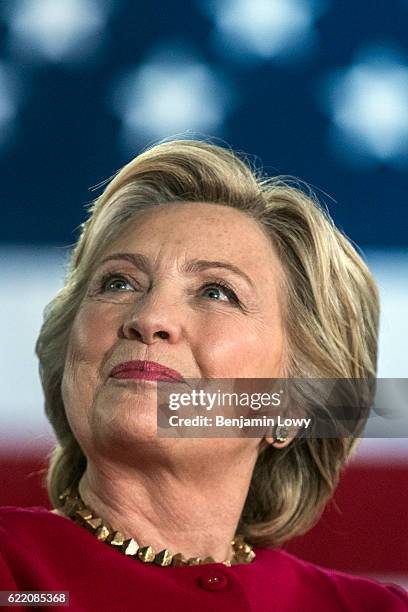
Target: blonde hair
(331,316)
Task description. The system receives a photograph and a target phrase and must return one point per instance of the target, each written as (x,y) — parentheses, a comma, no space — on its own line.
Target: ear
(267,441)
(277,444)
(280,436)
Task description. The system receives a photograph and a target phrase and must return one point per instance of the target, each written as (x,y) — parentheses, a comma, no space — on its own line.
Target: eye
(114,282)
(220,287)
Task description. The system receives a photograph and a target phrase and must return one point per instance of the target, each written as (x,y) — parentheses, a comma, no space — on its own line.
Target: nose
(153,320)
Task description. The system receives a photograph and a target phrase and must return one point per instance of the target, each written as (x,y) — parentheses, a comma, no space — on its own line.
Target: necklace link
(74,508)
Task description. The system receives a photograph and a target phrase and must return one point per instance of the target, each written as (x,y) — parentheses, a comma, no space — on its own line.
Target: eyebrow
(194,265)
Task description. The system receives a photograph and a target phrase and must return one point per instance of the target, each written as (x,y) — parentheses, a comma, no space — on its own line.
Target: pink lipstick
(148,370)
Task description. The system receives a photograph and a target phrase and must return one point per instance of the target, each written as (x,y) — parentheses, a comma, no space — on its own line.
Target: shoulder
(17,511)
(14,518)
(350,592)
(16,527)
(22,528)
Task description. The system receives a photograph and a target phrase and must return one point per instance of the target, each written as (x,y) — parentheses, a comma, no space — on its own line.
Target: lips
(151,369)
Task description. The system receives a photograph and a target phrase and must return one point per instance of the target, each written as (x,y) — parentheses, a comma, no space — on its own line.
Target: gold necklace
(75,509)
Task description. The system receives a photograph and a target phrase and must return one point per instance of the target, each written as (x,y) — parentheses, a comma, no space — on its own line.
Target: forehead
(202,228)
(175,233)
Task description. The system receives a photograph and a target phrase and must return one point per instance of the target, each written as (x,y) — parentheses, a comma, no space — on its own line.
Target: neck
(178,511)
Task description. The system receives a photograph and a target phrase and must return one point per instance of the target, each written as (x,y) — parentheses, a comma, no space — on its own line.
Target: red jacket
(41,551)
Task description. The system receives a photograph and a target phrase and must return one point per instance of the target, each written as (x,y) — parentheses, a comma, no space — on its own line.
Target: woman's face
(172,313)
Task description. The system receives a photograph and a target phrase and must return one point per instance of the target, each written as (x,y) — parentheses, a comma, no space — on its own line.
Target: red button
(214,581)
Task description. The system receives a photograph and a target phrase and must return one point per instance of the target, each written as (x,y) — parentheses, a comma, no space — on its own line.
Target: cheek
(237,351)
(90,342)
(92,335)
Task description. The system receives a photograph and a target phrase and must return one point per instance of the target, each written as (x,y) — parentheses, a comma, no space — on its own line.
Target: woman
(192,266)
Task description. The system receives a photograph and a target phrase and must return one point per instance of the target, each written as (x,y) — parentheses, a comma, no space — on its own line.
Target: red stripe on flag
(365,527)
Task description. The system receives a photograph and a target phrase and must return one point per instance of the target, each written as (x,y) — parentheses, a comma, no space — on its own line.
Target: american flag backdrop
(316,89)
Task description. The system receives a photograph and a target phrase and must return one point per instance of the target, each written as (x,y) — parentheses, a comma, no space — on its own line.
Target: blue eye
(111,282)
(117,283)
(224,289)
